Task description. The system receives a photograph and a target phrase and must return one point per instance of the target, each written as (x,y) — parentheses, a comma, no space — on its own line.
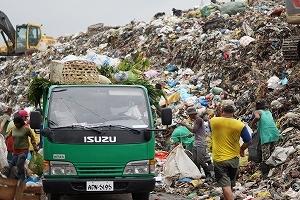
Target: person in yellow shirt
(225,134)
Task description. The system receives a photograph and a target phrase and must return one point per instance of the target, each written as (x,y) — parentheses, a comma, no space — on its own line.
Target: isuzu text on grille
(100,139)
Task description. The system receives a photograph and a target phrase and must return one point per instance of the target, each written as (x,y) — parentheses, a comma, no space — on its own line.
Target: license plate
(96,186)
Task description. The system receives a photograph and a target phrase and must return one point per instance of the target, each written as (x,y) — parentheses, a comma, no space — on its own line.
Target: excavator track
(291,48)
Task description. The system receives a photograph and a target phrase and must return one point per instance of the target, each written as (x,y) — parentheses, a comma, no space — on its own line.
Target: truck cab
(98,139)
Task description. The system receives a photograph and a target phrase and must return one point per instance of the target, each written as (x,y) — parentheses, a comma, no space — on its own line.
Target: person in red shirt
(20,134)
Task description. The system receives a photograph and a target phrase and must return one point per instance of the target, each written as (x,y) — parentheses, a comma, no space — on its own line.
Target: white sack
(3,152)
(179,165)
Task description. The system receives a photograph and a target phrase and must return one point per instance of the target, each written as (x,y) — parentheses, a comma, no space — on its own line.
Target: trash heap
(202,56)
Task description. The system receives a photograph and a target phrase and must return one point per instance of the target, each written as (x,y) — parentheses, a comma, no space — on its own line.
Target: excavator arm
(7,30)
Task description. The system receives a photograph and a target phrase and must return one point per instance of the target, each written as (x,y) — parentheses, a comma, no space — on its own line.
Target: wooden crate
(11,189)
(32,193)
(80,71)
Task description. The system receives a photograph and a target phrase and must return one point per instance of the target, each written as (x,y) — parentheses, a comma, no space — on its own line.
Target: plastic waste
(151,74)
(184,180)
(121,76)
(173,98)
(207,10)
(172,68)
(232,8)
(203,101)
(216,90)
(280,155)
(182,135)
(283,81)
(247,29)
(273,83)
(246,40)
(264,194)
(184,95)
(172,83)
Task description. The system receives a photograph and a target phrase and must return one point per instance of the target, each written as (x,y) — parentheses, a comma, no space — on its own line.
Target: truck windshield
(125,106)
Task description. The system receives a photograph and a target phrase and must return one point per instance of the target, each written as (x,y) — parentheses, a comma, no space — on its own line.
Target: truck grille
(103,170)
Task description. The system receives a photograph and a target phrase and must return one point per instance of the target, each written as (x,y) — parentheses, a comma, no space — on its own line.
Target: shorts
(226,172)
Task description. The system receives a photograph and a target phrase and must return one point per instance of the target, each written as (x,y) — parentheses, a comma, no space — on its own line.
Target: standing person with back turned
(268,133)
(225,133)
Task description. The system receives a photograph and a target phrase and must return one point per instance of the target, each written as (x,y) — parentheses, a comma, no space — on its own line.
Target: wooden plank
(8,182)
(35,190)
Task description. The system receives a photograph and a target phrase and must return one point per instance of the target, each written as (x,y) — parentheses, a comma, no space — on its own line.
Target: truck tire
(140,196)
(53,197)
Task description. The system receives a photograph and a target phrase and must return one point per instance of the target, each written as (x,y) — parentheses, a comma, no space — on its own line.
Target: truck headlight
(62,168)
(140,167)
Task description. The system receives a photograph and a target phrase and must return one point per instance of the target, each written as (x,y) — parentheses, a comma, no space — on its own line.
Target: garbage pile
(202,56)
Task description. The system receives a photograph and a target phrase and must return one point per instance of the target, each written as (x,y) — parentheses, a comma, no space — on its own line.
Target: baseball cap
(23,113)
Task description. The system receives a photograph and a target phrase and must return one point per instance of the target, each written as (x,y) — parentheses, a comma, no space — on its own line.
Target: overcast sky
(61,17)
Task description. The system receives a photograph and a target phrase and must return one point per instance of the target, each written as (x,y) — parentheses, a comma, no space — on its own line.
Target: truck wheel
(53,197)
(140,196)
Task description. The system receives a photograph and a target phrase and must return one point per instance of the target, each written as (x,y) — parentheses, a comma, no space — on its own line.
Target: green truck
(98,139)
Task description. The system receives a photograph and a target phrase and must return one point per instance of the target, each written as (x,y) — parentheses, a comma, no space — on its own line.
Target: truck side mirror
(166,116)
(35,120)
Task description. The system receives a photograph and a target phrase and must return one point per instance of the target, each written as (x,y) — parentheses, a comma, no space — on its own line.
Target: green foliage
(137,63)
(36,90)
(36,164)
(106,71)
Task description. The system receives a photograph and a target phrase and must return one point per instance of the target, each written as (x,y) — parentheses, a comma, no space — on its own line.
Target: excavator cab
(27,38)
(291,45)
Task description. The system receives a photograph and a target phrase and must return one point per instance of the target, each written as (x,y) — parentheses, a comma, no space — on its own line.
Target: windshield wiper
(51,122)
(60,90)
(135,131)
(79,126)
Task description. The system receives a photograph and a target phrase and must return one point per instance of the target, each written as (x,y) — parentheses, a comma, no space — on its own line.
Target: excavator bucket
(293,11)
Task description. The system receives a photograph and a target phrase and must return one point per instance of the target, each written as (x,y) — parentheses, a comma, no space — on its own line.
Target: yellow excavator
(291,45)
(25,39)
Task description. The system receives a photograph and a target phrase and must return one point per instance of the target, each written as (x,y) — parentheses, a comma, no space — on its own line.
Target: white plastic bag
(273,83)
(179,165)
(246,40)
(280,155)
(3,152)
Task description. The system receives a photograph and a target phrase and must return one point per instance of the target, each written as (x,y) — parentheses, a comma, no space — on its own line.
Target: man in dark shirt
(200,153)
